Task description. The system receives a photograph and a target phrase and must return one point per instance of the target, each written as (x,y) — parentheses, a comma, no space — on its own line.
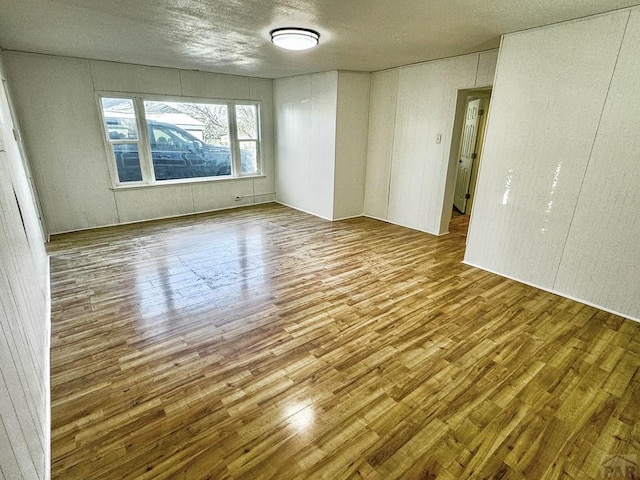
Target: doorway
(469,129)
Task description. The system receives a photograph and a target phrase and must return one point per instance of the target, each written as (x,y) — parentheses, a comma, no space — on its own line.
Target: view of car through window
(192,142)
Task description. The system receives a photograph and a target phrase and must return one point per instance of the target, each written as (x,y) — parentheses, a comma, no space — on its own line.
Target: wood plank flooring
(264,343)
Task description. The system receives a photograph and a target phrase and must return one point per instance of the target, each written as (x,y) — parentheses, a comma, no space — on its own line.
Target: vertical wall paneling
(416,127)
(382,117)
(137,204)
(24,317)
(123,77)
(55,100)
(411,120)
(439,182)
(202,84)
(486,68)
(549,94)
(426,102)
(351,143)
(601,259)
(305,110)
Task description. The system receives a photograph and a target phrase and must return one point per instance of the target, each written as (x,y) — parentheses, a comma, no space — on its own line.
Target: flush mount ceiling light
(295,38)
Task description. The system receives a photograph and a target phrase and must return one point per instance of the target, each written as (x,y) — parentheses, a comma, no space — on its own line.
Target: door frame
(456,140)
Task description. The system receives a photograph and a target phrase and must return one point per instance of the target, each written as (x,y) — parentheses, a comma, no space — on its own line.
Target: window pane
(127,162)
(249,157)
(188,140)
(247,118)
(119,115)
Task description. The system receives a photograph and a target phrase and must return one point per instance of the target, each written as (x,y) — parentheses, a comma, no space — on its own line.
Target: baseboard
(167,217)
(555,292)
(348,217)
(304,211)
(405,226)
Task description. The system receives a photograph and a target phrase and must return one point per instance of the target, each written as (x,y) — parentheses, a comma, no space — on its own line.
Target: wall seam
(595,137)
(393,141)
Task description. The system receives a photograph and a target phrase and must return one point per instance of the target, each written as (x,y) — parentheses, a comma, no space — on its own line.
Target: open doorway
(469,129)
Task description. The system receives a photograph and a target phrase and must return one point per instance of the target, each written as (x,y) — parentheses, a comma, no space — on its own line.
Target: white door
(467,154)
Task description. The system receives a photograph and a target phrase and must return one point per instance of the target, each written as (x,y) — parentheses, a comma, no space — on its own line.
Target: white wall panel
(213,85)
(24,317)
(409,177)
(425,109)
(123,77)
(415,131)
(436,199)
(382,118)
(55,102)
(351,143)
(486,68)
(601,260)
(305,109)
(135,204)
(550,90)
(218,195)
(549,93)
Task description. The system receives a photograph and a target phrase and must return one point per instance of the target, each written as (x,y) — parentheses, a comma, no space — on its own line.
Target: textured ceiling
(231,36)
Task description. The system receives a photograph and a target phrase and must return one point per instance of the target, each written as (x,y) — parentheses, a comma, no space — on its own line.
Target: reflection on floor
(266,343)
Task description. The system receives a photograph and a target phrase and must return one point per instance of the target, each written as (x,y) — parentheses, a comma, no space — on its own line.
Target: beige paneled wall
(557,195)
(24,318)
(407,168)
(55,99)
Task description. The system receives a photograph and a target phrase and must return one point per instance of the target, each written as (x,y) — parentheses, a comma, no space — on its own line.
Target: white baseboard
(555,292)
(304,211)
(166,217)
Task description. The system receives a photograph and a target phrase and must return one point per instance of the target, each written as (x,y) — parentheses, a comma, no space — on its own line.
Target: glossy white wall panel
(135,204)
(486,68)
(61,127)
(214,85)
(382,118)
(305,110)
(547,99)
(351,143)
(601,260)
(123,77)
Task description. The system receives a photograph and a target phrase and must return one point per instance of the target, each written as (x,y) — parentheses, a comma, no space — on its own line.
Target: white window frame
(144,148)
(257,140)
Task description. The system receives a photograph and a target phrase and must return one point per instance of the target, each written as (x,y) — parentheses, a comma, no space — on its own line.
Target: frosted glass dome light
(295,38)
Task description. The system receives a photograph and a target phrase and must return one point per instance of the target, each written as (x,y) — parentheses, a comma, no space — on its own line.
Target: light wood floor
(265,343)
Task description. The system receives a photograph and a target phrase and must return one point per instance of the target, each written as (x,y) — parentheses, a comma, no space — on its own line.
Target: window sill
(185,181)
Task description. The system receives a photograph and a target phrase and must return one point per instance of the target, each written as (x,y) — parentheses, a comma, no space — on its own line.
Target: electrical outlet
(237,198)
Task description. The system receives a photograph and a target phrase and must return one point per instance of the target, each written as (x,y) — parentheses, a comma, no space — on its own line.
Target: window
(152,140)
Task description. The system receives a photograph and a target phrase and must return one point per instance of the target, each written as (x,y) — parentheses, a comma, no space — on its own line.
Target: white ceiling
(231,36)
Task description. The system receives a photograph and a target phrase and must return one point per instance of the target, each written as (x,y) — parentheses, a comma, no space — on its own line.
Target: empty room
(303,239)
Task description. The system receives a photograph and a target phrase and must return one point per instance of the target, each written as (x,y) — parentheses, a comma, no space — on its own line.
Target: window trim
(144,147)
